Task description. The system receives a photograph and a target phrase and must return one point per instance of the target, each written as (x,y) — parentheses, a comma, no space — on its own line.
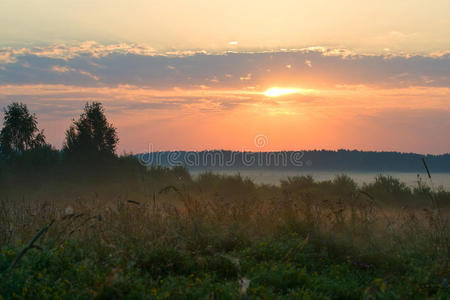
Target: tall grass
(162,222)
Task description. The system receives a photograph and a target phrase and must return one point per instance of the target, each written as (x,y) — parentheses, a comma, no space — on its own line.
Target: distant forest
(341,160)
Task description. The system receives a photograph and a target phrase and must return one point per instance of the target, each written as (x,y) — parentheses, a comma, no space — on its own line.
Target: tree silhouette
(20,132)
(91,135)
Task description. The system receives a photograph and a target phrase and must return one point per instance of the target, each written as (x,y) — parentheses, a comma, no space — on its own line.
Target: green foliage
(159,262)
(159,177)
(39,158)
(20,132)
(224,188)
(298,183)
(91,136)
(24,154)
(76,270)
(344,187)
(388,189)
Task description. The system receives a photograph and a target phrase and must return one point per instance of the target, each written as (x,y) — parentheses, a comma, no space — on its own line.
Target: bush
(388,189)
(344,187)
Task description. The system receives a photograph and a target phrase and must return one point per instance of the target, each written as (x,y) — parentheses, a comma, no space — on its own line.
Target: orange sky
(351,117)
(201,74)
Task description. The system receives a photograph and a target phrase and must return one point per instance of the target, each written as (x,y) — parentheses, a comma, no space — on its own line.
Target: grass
(165,235)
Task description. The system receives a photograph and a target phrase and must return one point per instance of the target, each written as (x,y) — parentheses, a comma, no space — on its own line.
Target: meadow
(127,232)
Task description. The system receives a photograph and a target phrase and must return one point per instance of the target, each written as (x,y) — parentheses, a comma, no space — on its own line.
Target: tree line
(91,135)
(91,141)
(88,152)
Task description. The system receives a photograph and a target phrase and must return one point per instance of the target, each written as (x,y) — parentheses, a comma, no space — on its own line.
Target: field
(161,234)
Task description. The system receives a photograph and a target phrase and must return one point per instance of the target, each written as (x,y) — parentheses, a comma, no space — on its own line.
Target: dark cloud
(138,86)
(303,67)
(68,104)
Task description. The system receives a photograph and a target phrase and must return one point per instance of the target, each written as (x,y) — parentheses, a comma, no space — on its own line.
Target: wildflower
(381,284)
(244,283)
(68,211)
(378,280)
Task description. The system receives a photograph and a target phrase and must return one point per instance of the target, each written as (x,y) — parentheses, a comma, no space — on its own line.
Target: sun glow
(276,92)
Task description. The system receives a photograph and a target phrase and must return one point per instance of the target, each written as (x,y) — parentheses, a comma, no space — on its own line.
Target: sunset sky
(195,75)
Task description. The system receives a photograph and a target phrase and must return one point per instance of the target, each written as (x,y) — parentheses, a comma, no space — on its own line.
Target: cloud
(89,75)
(70,51)
(93,64)
(369,93)
(6,57)
(62,69)
(345,116)
(247,77)
(126,97)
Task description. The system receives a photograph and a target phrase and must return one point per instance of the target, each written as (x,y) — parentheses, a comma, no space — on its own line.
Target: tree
(20,132)
(91,135)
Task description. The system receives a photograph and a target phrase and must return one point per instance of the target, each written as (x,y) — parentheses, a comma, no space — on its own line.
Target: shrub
(388,189)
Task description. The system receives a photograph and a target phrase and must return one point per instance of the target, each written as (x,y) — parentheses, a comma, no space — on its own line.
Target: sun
(276,92)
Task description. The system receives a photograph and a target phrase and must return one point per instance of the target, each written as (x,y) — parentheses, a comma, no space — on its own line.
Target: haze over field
(213,75)
(212,149)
